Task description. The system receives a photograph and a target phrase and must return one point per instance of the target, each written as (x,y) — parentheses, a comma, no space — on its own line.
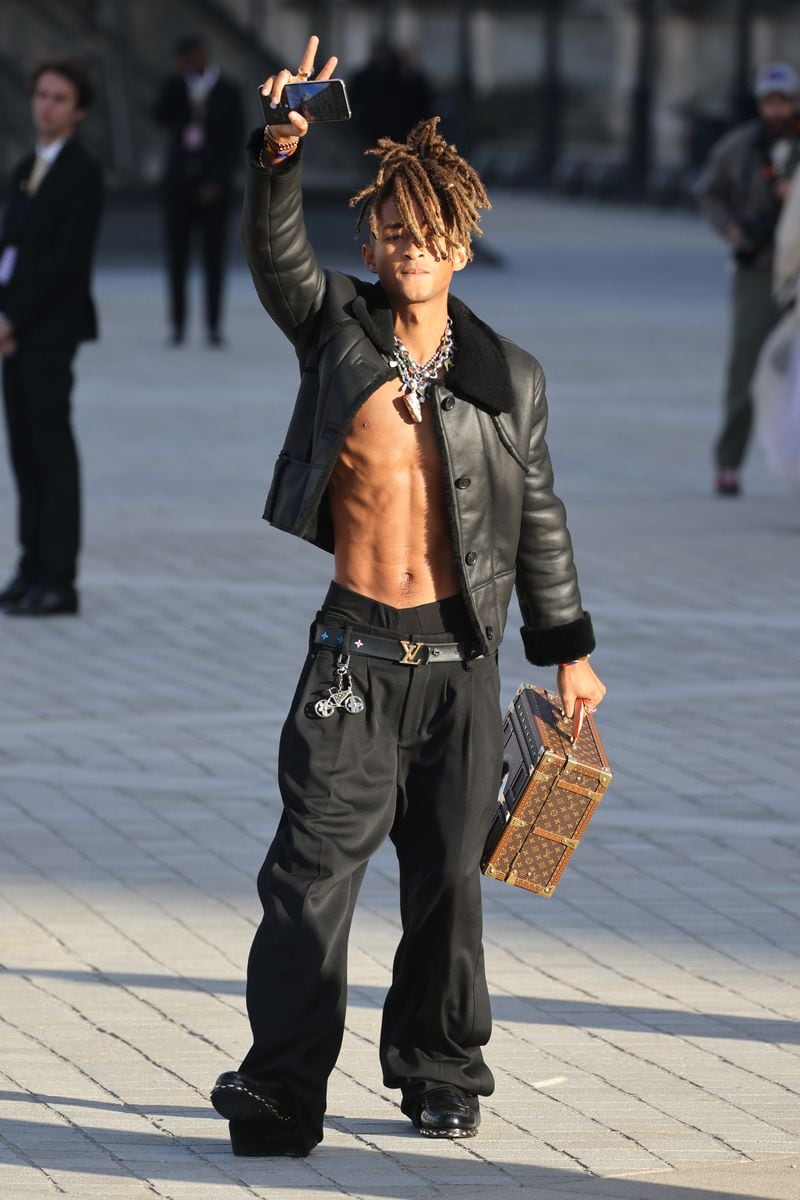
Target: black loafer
(447,1112)
(14,590)
(259,1116)
(45,602)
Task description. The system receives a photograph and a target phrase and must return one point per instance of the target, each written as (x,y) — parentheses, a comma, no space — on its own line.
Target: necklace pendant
(413,405)
(417,378)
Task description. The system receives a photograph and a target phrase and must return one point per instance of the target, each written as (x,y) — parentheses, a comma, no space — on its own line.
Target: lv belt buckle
(413,653)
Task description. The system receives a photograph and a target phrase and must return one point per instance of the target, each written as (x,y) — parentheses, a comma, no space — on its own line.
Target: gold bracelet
(280,147)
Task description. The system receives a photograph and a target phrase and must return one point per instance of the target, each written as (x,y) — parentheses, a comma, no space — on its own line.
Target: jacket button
(463,482)
(490,632)
(471,558)
(448,403)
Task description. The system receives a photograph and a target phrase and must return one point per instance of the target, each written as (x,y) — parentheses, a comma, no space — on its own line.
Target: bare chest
(383,435)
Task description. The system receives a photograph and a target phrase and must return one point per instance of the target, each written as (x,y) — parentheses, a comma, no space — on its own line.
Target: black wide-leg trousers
(37,387)
(182,214)
(422,765)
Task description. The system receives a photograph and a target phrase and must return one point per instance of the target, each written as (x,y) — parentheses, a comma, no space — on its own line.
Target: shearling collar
(480,370)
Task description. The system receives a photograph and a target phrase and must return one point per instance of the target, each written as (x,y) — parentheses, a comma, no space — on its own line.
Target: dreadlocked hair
(427,171)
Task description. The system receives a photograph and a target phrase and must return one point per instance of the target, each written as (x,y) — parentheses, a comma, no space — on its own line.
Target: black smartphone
(323,100)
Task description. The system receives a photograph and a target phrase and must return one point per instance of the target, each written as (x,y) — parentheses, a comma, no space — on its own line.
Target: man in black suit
(202,111)
(390,94)
(46,310)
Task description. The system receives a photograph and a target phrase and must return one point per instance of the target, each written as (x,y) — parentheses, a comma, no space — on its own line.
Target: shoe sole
(240,1104)
(63,610)
(448,1133)
(41,616)
(258,1129)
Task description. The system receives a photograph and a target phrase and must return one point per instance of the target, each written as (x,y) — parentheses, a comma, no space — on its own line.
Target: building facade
(604,92)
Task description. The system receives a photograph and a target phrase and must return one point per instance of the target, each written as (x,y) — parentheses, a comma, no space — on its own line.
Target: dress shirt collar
(50,153)
(200,85)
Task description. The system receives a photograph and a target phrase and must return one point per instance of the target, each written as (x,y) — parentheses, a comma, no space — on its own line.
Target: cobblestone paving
(646,1044)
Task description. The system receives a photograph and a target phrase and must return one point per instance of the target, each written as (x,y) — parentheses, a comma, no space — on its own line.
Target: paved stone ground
(646,1043)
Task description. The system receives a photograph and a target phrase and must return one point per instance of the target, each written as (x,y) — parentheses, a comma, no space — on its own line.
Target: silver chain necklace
(416,377)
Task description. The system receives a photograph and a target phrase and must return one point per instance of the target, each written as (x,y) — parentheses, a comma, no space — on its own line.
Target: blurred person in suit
(390,93)
(46,311)
(741,191)
(202,112)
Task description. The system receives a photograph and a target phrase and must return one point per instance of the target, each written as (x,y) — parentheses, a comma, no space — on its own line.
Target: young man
(46,310)
(741,192)
(202,111)
(416,454)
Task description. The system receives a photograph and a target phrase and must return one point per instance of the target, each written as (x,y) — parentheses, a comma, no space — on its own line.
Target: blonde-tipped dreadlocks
(426,170)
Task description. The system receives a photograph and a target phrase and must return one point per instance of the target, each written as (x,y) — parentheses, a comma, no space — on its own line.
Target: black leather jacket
(490,413)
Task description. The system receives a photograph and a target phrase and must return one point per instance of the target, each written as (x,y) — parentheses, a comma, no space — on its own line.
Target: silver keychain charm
(340,693)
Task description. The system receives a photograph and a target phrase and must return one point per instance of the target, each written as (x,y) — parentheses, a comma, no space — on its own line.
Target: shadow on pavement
(175,1159)
(152,1110)
(530,1010)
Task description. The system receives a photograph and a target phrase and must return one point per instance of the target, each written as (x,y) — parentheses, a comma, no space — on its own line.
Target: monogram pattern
(538,859)
(558,797)
(563,812)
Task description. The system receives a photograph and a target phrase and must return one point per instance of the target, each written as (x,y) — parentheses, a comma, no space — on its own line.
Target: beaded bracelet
(279,148)
(275,157)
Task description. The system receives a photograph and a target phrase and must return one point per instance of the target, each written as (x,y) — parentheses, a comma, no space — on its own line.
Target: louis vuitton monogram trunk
(551,788)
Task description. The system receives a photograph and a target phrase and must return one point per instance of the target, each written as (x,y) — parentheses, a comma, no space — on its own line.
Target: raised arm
(287,276)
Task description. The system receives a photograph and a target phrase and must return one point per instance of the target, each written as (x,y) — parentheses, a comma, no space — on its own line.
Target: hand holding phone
(317,100)
(292,123)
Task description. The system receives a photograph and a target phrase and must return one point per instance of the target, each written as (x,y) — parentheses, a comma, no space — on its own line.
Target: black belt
(411,653)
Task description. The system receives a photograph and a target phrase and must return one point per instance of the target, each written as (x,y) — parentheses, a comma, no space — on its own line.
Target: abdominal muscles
(392,536)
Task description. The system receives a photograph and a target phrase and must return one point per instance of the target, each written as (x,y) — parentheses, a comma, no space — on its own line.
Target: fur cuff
(546,647)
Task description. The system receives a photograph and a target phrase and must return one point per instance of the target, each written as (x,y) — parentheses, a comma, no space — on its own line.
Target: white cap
(776,78)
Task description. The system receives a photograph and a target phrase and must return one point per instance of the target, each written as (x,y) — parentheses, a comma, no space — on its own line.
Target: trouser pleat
(421,763)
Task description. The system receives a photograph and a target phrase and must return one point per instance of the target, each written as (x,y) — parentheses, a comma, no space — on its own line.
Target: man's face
(55,107)
(409,274)
(195,59)
(777,111)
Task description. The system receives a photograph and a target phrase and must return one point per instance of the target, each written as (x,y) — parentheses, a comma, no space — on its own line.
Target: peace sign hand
(274,86)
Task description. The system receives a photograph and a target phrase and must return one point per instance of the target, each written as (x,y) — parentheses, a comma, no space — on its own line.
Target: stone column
(552,91)
(640,104)
(677,88)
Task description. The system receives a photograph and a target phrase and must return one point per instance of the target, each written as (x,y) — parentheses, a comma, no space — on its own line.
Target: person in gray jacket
(741,192)
(416,455)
